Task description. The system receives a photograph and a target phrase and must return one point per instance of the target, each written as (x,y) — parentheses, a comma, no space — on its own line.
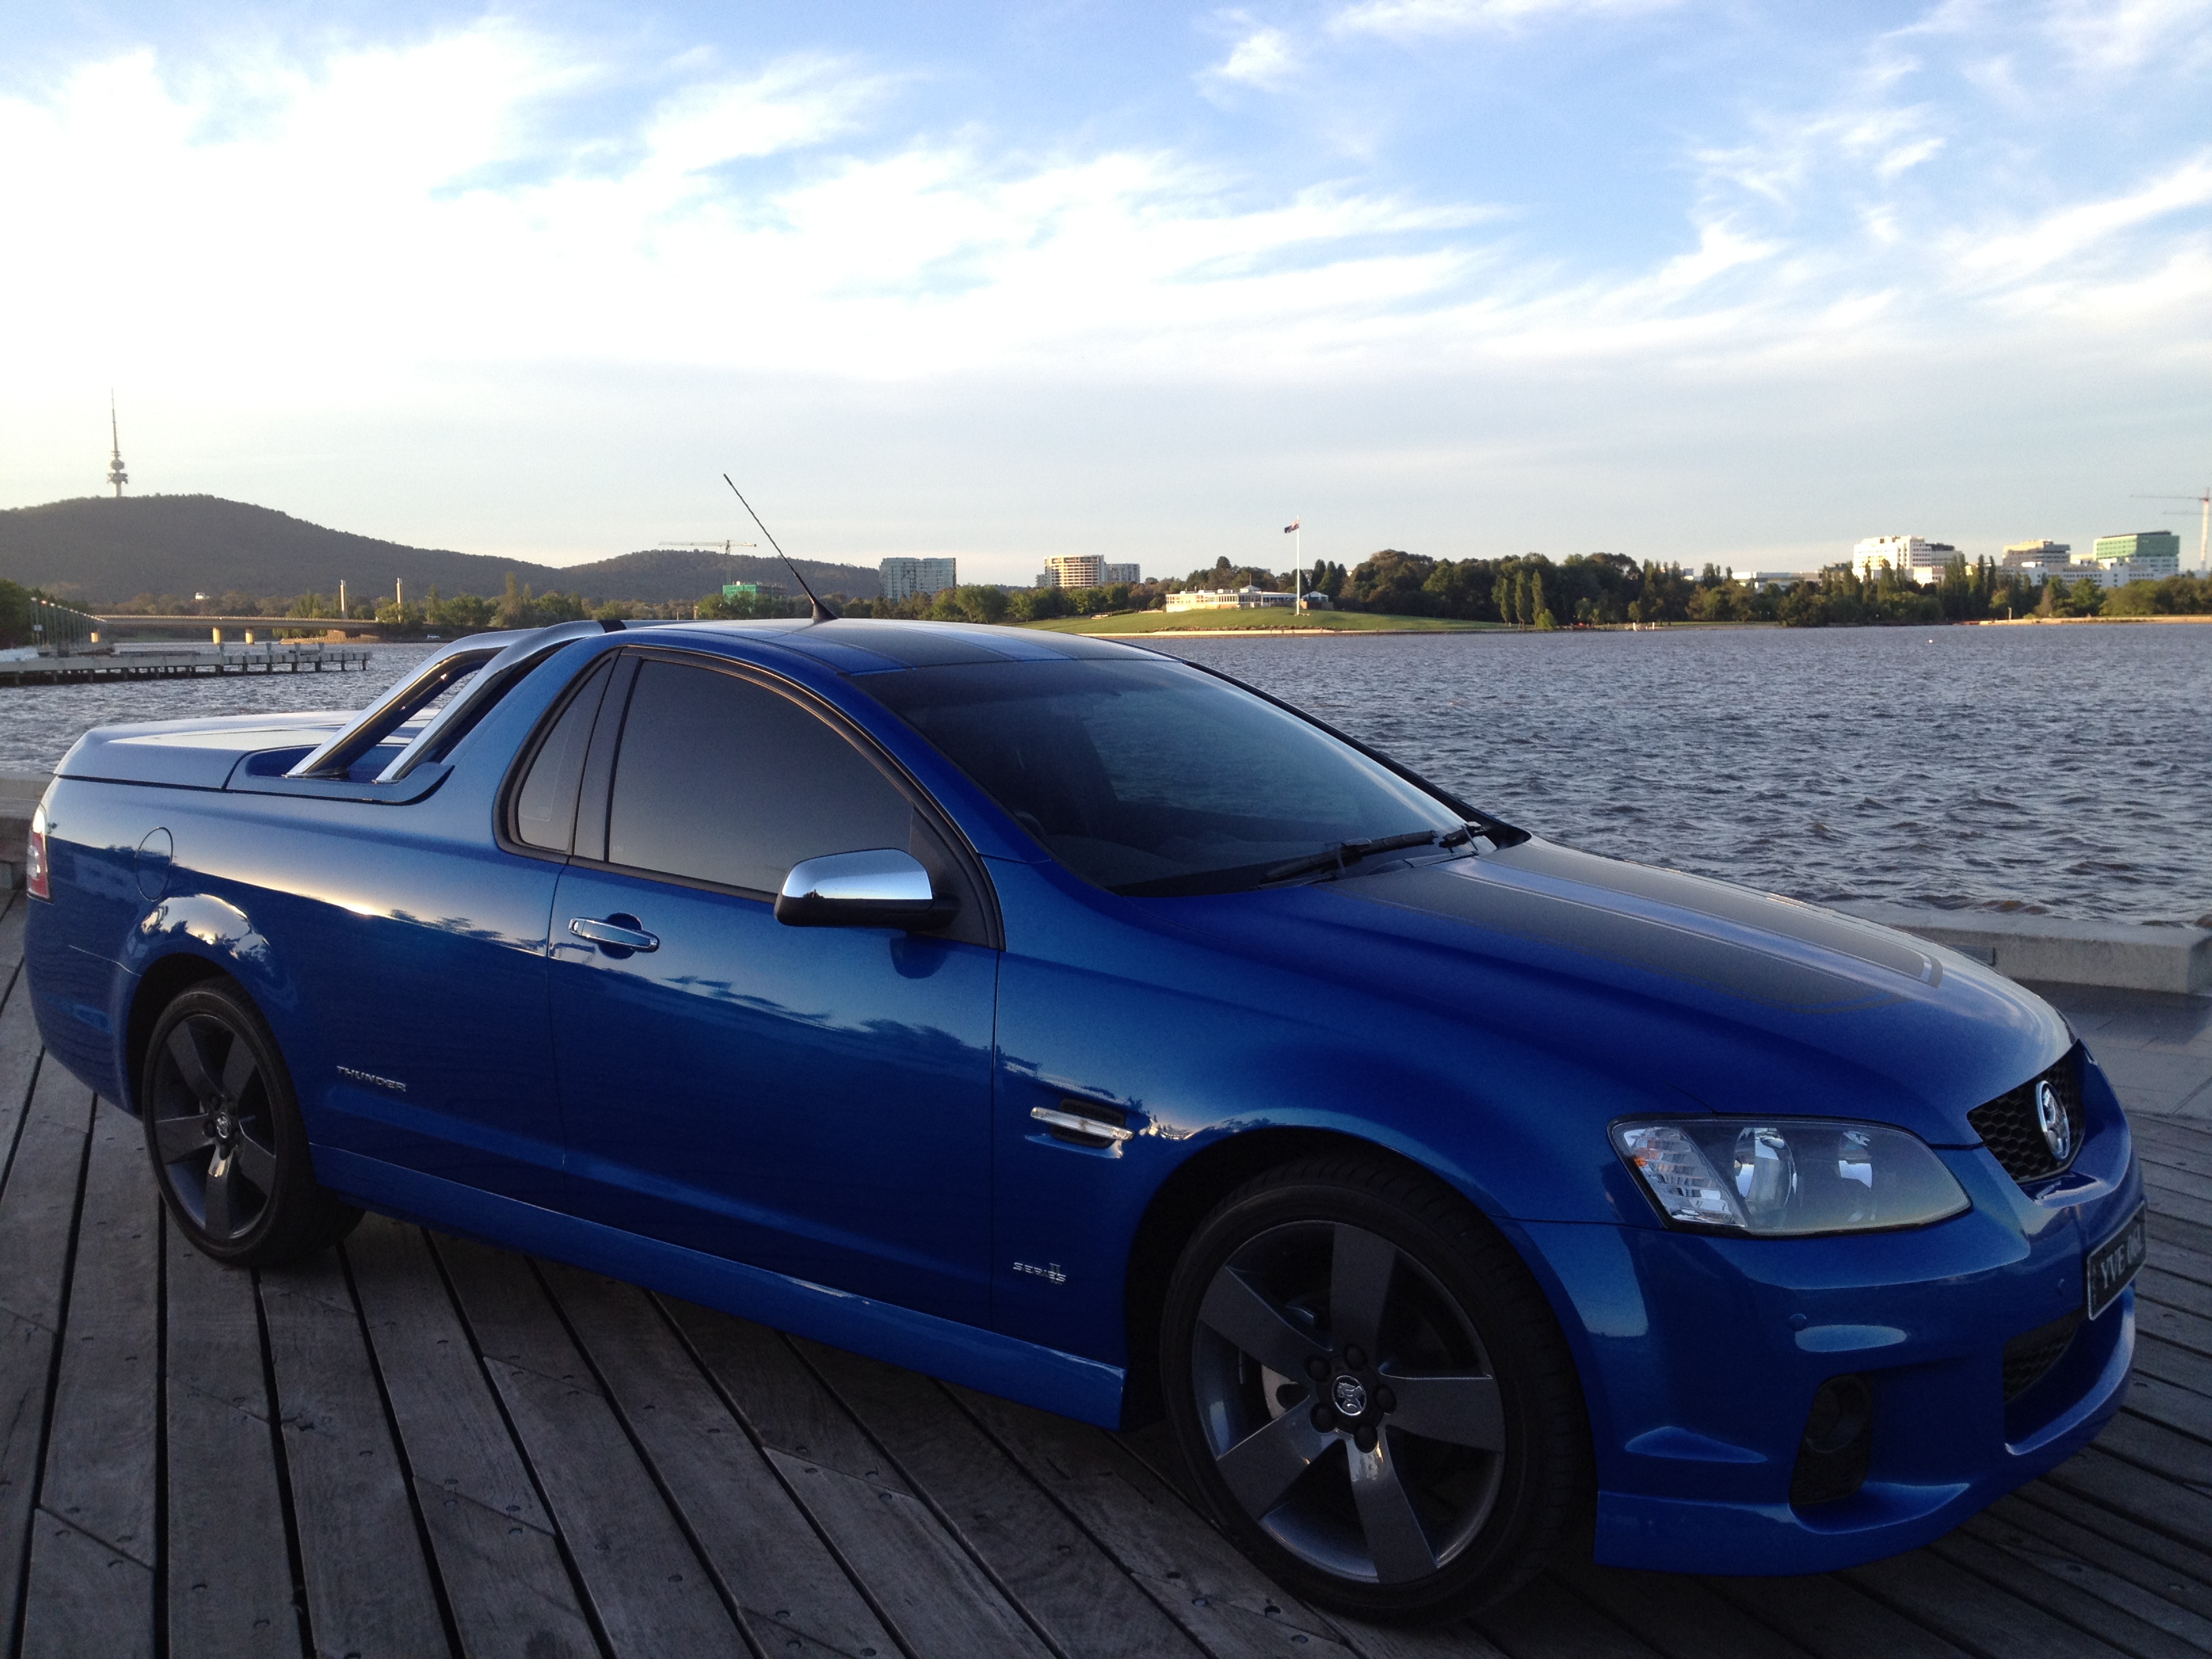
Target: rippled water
(38,723)
(2066,769)
(2063,770)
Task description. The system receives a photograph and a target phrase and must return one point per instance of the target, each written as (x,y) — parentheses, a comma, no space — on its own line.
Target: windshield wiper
(1343,853)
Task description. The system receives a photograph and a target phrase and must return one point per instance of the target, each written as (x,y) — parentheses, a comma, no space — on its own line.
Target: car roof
(860,645)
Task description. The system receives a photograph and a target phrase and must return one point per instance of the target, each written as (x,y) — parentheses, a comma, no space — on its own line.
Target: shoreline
(2070,621)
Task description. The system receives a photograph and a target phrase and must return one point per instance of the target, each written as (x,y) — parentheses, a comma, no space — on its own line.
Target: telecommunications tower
(116,475)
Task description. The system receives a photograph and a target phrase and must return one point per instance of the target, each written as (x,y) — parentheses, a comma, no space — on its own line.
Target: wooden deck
(421,1446)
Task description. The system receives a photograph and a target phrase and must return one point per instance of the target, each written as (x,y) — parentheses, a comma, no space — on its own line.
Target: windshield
(1153,778)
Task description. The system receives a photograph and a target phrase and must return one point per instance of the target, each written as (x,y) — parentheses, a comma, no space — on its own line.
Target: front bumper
(1700,1357)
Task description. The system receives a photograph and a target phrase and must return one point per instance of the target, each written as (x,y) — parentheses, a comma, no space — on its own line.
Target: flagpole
(1299,559)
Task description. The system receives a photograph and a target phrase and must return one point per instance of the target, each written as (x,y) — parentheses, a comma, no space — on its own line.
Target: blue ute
(1076,1025)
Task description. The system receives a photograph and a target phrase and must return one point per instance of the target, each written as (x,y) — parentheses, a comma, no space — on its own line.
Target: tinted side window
(721,779)
(545,805)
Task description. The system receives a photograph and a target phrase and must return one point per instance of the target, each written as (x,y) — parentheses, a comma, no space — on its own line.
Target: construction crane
(2204,523)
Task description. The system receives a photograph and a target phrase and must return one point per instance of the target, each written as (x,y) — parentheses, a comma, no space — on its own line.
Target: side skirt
(1044,1377)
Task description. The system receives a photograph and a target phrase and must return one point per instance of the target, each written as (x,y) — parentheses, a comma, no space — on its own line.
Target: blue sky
(1735,282)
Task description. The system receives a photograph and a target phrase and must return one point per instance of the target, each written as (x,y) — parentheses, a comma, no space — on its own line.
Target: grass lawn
(1257,621)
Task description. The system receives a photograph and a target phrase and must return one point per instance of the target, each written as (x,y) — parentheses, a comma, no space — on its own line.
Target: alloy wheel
(212,1129)
(1348,1402)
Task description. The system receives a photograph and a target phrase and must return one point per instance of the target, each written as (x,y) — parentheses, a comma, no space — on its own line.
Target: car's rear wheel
(1370,1391)
(230,1153)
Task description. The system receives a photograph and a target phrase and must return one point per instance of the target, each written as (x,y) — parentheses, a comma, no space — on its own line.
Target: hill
(96,550)
(661,575)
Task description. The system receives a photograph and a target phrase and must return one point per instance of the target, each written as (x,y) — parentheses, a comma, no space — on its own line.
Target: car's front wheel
(229,1150)
(1370,1391)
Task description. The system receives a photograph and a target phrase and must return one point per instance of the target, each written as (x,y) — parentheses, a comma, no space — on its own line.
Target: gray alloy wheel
(229,1152)
(1370,1392)
(1348,1403)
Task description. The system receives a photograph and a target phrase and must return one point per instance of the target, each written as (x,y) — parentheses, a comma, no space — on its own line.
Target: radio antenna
(822,612)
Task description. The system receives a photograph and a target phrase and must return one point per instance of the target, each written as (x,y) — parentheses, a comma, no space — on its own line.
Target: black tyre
(229,1150)
(1371,1392)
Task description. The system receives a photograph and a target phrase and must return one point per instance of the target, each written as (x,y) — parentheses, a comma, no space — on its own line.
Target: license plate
(2113,1263)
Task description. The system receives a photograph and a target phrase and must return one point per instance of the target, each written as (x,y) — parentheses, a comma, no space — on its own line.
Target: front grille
(2008,1126)
(2029,1357)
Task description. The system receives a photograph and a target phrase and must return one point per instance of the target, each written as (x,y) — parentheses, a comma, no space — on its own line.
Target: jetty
(419,1444)
(82,668)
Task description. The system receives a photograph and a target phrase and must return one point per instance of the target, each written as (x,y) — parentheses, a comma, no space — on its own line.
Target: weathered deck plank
(1675,1615)
(1971,1612)
(91,1586)
(649,1591)
(1831,1618)
(1033,1548)
(230,1586)
(369,1587)
(787,1586)
(1223,1602)
(2075,1556)
(38,1220)
(922,1582)
(506,1580)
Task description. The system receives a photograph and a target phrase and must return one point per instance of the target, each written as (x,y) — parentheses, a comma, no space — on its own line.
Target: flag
(1291,525)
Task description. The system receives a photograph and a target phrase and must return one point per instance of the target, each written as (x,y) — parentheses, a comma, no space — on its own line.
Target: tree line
(1527,590)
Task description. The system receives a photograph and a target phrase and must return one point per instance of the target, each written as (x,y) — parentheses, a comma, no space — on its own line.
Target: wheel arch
(159,986)
(1183,1200)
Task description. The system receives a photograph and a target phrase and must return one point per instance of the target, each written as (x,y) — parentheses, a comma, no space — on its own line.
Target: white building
(2043,558)
(1073,570)
(1240,598)
(911,579)
(1114,574)
(1910,556)
(1755,580)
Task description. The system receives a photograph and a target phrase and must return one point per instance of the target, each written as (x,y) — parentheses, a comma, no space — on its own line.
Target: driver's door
(815,1101)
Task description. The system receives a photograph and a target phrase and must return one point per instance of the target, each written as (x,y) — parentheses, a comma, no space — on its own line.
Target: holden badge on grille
(2050,1117)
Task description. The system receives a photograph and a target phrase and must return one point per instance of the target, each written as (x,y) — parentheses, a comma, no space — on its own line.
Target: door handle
(618,934)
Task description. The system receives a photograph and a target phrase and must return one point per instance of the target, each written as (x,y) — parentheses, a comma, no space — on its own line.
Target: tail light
(37,878)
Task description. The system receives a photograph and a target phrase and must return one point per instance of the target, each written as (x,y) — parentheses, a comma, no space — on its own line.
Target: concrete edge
(2124,956)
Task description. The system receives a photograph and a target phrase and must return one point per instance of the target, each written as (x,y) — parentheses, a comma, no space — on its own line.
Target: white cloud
(2080,230)
(1265,59)
(2108,37)
(1404,20)
(416,235)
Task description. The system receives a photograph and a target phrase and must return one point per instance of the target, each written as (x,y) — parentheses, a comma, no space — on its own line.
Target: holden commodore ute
(1076,1025)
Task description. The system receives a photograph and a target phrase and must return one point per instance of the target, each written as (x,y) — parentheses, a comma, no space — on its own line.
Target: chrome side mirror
(883,888)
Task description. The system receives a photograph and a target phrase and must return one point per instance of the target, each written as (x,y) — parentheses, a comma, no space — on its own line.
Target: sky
(1695,280)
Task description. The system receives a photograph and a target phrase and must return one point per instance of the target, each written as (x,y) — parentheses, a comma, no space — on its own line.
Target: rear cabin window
(723,781)
(545,805)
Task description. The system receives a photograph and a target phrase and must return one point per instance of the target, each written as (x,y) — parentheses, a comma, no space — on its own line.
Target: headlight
(1788,1175)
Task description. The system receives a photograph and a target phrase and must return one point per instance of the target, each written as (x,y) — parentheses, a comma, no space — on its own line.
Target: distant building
(1072,570)
(2111,572)
(2038,559)
(1241,598)
(1755,580)
(2149,555)
(917,579)
(1909,555)
(1112,575)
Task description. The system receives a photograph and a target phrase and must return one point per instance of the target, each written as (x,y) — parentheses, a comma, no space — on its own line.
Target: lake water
(2059,769)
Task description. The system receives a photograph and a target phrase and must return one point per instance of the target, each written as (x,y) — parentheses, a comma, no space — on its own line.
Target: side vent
(1837,1445)
(2029,1356)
